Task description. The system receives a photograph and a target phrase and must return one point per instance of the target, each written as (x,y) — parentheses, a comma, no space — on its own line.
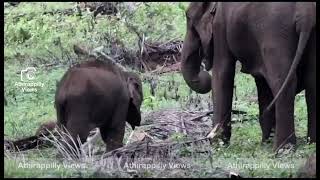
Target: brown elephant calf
(98,93)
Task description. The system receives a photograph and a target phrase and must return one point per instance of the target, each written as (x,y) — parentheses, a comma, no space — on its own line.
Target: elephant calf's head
(136,97)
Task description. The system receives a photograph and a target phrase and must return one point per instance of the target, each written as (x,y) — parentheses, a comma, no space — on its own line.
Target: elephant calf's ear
(135,93)
(134,115)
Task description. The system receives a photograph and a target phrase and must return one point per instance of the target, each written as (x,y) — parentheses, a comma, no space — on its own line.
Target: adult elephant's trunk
(198,80)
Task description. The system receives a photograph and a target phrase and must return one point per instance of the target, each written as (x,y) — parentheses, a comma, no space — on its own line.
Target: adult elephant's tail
(303,39)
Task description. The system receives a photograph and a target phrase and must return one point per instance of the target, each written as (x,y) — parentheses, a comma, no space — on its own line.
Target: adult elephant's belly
(245,48)
(242,39)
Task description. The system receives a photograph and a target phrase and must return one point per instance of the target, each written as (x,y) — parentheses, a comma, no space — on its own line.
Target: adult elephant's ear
(136,96)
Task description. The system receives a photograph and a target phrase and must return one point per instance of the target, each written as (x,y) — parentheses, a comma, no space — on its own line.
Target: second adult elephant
(275,43)
(99,94)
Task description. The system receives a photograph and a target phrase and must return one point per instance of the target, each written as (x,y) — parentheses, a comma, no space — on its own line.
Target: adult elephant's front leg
(223,81)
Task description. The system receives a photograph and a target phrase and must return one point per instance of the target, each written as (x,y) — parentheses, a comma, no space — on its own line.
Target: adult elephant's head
(198,44)
(136,97)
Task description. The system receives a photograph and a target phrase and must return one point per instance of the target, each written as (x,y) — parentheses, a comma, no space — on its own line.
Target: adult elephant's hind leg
(311,104)
(284,107)
(310,81)
(266,118)
(277,60)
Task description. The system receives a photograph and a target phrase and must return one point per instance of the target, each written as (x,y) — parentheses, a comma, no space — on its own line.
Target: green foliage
(30,33)
(161,21)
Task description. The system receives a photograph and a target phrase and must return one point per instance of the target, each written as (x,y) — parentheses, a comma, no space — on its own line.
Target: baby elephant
(99,94)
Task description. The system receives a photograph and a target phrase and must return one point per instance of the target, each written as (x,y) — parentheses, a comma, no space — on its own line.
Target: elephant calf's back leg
(113,137)
(112,132)
(78,122)
(79,129)
(266,119)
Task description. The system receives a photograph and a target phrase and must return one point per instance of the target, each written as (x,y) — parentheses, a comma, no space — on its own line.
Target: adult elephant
(275,43)
(99,94)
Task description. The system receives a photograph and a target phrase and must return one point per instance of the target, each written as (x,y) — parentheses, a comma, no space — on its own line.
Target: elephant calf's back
(88,93)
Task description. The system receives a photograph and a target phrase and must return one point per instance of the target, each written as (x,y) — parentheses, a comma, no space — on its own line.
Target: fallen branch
(184,129)
(211,112)
(26,143)
(201,116)
(163,69)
